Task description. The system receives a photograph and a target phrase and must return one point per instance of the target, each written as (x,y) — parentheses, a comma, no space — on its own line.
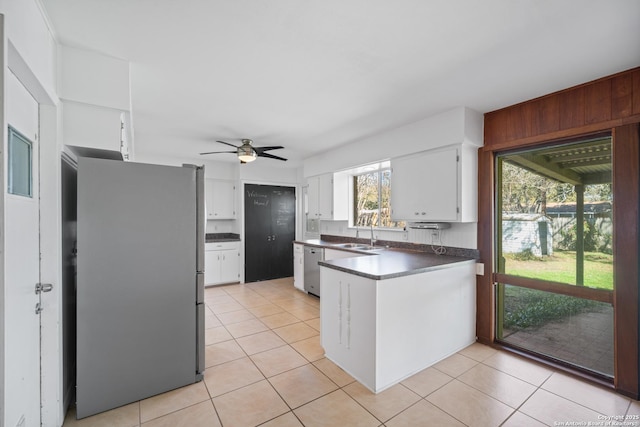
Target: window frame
(14,136)
(378,169)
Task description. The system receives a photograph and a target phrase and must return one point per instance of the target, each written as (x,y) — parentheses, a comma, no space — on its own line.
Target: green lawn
(524,308)
(561,267)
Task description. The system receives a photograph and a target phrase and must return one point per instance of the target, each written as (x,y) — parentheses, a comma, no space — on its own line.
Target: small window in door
(20,164)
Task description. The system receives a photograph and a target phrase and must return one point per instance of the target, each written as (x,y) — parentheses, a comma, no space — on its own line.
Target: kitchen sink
(352,245)
(360,246)
(371,248)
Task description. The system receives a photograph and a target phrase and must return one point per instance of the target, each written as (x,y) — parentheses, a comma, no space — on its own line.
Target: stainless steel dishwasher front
(312,270)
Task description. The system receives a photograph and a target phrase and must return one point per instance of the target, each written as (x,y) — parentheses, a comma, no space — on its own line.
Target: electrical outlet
(479,269)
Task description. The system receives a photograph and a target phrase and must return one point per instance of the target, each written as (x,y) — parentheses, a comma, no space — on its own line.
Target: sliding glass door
(554,255)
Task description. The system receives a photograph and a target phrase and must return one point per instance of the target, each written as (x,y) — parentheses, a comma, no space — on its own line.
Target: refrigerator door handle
(199,288)
(200,365)
(201,220)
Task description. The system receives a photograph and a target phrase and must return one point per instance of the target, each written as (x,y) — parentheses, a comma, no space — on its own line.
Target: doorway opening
(554,253)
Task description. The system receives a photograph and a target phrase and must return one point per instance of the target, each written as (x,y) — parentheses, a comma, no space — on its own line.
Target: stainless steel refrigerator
(140,282)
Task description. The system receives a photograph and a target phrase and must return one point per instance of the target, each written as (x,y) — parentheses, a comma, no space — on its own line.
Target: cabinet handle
(424,213)
(348,315)
(416,213)
(340,315)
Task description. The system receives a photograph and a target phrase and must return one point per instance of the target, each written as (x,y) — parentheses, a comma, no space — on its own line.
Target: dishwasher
(312,269)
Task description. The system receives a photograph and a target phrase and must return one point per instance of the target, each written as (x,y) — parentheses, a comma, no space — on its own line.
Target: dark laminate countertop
(387,263)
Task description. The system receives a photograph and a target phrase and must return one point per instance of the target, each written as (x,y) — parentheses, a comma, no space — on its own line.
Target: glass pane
(555,214)
(19,173)
(385,201)
(571,329)
(366,199)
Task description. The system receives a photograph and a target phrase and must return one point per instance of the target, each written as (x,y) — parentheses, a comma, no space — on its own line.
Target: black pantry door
(269,225)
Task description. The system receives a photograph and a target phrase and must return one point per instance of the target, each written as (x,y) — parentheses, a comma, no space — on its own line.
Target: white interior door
(22,265)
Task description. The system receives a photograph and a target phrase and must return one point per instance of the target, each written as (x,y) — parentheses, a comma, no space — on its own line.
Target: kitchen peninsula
(391,314)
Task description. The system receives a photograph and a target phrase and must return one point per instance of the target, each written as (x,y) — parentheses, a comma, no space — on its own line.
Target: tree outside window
(372,200)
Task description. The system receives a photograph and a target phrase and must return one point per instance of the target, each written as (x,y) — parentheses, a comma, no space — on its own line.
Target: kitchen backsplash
(222,226)
(460,235)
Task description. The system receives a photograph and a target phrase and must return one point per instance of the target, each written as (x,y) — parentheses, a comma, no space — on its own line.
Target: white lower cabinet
(347,319)
(298,266)
(383,331)
(221,263)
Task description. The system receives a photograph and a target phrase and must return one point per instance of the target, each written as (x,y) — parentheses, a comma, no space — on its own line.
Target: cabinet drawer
(221,246)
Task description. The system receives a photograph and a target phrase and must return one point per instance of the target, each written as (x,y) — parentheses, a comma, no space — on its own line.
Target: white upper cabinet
(221,199)
(436,185)
(327,197)
(95,94)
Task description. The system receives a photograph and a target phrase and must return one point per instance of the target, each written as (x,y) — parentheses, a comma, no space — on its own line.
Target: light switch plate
(480,269)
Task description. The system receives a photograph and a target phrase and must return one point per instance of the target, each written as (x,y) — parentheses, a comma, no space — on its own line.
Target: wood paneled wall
(602,104)
(612,105)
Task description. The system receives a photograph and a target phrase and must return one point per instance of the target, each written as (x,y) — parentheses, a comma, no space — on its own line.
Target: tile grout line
(265,378)
(323,395)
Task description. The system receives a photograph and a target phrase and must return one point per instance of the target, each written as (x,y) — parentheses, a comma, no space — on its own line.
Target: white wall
(28,32)
(212,168)
(93,78)
(260,171)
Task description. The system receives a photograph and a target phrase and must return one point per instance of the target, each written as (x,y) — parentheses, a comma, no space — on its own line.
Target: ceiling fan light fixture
(246,153)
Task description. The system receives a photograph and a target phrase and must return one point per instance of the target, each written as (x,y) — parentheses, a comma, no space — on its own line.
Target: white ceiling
(312,75)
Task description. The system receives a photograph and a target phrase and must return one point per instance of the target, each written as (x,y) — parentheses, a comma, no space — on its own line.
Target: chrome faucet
(357,232)
(373,241)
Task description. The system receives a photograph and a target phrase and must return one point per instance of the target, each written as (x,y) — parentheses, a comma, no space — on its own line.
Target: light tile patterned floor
(265,366)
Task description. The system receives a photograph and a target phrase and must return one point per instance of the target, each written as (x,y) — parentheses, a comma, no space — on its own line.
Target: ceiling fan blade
(271,156)
(218,152)
(222,142)
(263,149)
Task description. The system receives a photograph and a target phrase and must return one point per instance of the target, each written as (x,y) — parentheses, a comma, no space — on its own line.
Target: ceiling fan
(248,153)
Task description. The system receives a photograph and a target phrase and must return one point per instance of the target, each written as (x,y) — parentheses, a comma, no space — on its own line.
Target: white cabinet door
(298,266)
(325,196)
(424,187)
(313,197)
(210,267)
(229,266)
(320,196)
(221,199)
(347,313)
